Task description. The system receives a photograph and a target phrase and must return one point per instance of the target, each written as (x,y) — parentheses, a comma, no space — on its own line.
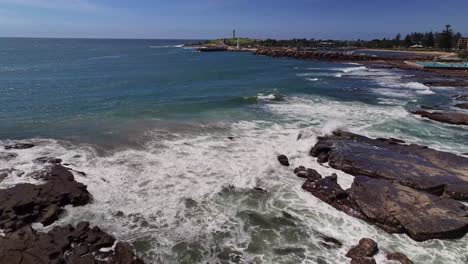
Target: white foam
(167,46)
(312,79)
(175,185)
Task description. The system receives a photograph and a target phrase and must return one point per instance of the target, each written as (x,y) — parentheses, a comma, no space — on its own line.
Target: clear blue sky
(201,19)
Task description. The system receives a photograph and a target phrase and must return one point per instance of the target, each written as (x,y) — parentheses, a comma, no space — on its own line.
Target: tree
(408,41)
(446,38)
(429,40)
(398,39)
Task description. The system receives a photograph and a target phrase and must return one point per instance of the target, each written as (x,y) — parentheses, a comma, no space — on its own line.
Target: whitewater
(182,164)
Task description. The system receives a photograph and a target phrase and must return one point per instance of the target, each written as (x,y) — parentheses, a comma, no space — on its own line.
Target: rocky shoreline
(399,187)
(26,204)
(458,78)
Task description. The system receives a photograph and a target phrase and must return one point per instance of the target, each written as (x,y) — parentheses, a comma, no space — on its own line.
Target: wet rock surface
(314,55)
(436,172)
(462,106)
(64,245)
(19,146)
(6,156)
(394,207)
(400,257)
(452,118)
(308,173)
(25,204)
(364,252)
(283,160)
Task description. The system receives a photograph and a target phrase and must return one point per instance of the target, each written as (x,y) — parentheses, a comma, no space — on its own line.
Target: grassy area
(243,42)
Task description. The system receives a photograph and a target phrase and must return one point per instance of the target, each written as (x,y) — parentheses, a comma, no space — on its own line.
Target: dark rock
(462,106)
(400,257)
(119,214)
(321,261)
(231,138)
(419,167)
(64,245)
(6,156)
(461,97)
(19,146)
(5,173)
(395,208)
(290,250)
(447,83)
(366,248)
(427,107)
(260,190)
(43,160)
(322,158)
(363,261)
(283,160)
(330,242)
(24,204)
(311,174)
(299,169)
(444,117)
(313,55)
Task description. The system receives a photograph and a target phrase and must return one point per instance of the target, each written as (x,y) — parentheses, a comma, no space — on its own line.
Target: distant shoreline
(420,52)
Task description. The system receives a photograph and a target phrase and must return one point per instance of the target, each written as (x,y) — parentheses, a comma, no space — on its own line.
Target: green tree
(429,40)
(408,41)
(446,38)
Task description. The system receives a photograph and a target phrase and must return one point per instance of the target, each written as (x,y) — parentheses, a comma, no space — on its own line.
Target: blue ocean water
(162,115)
(72,88)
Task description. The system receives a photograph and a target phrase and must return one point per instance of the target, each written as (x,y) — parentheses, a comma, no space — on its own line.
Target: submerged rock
(302,172)
(19,146)
(419,167)
(64,245)
(462,106)
(394,207)
(26,203)
(364,252)
(366,248)
(452,118)
(44,160)
(400,257)
(283,160)
(6,156)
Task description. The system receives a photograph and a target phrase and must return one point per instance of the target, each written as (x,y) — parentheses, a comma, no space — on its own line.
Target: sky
(206,19)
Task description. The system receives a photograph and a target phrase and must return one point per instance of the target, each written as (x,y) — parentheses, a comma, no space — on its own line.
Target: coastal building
(463,43)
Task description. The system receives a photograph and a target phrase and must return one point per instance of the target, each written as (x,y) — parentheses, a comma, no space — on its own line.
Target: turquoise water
(444,65)
(149,121)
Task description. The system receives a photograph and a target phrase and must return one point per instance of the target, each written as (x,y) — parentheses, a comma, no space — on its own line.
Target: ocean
(177,140)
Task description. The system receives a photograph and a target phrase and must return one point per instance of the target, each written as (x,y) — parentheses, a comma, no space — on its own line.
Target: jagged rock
(363,261)
(394,207)
(44,160)
(400,257)
(366,248)
(19,146)
(461,97)
(24,204)
(462,106)
(64,245)
(447,83)
(330,242)
(364,252)
(419,167)
(444,117)
(302,172)
(313,55)
(6,172)
(6,156)
(283,160)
